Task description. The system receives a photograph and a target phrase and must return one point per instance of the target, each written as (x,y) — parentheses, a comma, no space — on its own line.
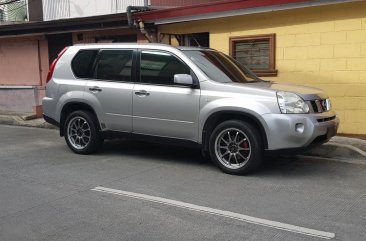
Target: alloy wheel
(232,148)
(78,132)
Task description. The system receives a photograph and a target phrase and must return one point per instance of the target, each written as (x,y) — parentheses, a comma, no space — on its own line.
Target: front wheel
(81,133)
(236,147)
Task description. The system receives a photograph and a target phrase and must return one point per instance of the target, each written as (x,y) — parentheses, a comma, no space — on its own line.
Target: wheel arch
(74,106)
(218,117)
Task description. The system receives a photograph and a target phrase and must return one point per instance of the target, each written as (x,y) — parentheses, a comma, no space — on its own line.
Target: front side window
(160,67)
(256,52)
(114,65)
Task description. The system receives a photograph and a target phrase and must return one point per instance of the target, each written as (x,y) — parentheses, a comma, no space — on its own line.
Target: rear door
(110,90)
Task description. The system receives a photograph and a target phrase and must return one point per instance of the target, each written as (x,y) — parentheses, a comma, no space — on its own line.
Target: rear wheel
(81,133)
(235,147)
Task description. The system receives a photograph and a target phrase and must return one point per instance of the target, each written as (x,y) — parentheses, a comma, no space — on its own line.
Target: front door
(160,107)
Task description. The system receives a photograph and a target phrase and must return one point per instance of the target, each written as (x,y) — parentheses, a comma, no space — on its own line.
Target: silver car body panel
(181,112)
(167,111)
(283,134)
(113,104)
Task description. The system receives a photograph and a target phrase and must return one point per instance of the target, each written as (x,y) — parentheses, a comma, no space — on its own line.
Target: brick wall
(323,47)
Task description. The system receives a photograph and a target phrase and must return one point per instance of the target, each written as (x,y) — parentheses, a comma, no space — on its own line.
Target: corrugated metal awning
(221,9)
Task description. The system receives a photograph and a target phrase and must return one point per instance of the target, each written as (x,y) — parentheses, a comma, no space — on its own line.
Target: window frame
(271,71)
(138,70)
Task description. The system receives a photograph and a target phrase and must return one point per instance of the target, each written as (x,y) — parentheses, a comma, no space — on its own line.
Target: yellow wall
(323,47)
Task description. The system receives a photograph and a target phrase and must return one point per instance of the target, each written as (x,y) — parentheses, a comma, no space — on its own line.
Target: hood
(307,93)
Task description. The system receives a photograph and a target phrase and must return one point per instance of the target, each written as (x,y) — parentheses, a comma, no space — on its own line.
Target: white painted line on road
(223,213)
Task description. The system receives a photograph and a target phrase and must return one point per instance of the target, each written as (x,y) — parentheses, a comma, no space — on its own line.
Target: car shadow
(273,165)
(149,150)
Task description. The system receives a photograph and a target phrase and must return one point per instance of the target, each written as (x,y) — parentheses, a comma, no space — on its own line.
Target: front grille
(326,119)
(321,105)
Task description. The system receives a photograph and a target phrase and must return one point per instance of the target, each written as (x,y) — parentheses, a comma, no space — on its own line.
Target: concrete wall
(23,61)
(23,71)
(18,101)
(323,47)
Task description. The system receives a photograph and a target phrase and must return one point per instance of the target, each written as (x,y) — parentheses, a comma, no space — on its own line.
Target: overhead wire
(10,12)
(26,3)
(9,2)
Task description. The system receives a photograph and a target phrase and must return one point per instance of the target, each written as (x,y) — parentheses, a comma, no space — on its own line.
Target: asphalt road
(168,193)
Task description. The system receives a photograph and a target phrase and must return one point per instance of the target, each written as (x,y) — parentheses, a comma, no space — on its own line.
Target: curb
(19,121)
(341,148)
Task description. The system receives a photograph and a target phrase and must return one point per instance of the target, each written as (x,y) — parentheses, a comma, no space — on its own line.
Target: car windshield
(220,67)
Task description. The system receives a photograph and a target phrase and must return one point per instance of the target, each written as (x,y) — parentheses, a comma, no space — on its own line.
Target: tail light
(52,66)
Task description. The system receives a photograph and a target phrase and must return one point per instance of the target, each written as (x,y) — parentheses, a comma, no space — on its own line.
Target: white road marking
(223,213)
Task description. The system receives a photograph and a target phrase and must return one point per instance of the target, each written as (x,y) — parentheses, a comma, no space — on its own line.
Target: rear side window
(115,65)
(82,63)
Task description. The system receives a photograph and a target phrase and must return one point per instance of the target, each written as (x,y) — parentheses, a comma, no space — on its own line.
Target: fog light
(299,127)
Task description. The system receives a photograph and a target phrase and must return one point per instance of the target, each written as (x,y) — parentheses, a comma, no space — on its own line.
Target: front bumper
(286,131)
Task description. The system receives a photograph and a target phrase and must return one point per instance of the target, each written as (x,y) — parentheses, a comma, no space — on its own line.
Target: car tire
(236,147)
(81,132)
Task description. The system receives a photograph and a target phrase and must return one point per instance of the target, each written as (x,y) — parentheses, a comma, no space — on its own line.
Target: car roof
(137,45)
(193,48)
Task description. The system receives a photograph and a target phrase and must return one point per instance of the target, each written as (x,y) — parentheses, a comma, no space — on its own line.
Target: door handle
(95,89)
(142,93)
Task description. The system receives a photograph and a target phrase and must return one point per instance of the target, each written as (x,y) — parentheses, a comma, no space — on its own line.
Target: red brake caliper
(245,145)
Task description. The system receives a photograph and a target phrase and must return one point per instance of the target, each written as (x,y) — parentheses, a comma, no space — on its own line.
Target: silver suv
(184,95)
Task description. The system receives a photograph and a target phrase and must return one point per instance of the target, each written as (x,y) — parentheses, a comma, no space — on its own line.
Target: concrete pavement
(49,193)
(340,148)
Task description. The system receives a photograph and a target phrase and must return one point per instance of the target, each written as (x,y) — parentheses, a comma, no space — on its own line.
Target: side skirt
(150,138)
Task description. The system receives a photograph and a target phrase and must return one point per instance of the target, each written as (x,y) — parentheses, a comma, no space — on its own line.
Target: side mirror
(183,79)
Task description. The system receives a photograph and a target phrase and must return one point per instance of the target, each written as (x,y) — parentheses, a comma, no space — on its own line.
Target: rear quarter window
(82,64)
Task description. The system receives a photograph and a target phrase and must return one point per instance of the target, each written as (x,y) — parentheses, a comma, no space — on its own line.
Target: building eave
(110,21)
(227,9)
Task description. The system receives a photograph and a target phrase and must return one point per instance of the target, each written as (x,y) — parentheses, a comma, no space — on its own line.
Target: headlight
(291,103)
